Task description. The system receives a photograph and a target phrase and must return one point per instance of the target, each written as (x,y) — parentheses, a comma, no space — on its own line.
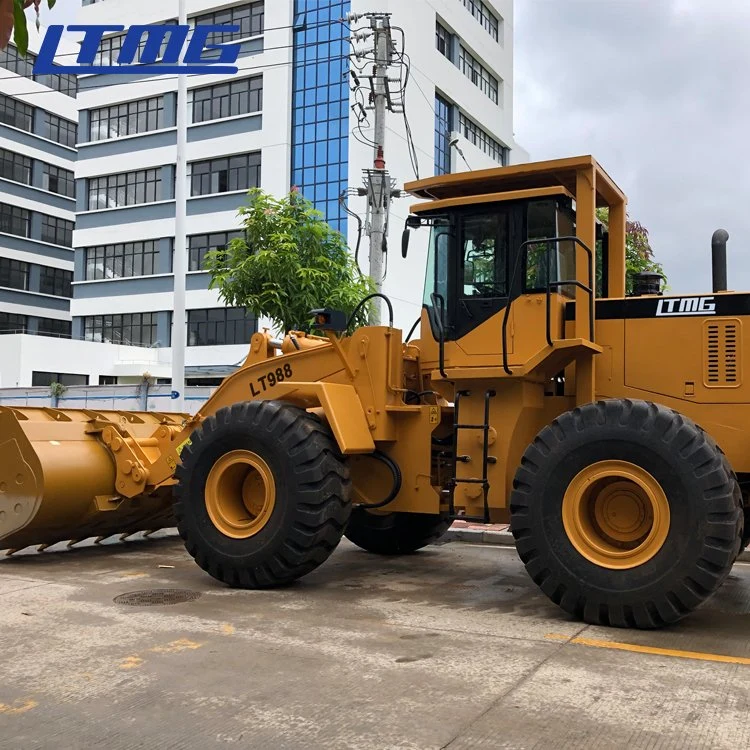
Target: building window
(24,66)
(57,231)
(443,129)
(228,99)
(204,382)
(485,16)
(220,326)
(61,131)
(128,118)
(240,172)
(200,244)
(108,380)
(16,114)
(14,274)
(249,18)
(444,41)
(11,323)
(122,261)
(478,74)
(15,220)
(483,140)
(42,379)
(320,100)
(52,327)
(138,329)
(109,50)
(111,46)
(58,180)
(56,281)
(15,166)
(126,189)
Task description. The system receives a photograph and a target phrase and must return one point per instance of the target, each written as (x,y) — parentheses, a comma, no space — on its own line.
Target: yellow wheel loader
(609,430)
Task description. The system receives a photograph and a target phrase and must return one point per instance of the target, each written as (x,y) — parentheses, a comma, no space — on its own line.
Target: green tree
(290,262)
(13,21)
(639,255)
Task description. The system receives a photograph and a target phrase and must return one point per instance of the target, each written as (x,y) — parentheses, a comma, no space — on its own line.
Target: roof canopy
(531,176)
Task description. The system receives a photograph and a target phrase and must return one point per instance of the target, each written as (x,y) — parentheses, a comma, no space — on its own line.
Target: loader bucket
(57,477)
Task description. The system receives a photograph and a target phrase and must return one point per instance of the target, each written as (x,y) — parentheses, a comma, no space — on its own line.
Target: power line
(151,79)
(295,28)
(230,44)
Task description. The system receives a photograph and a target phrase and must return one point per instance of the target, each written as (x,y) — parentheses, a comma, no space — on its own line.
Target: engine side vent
(722,353)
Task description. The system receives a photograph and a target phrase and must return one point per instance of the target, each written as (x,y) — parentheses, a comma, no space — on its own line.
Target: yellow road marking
(131,662)
(227,629)
(653,650)
(184,644)
(135,661)
(18,707)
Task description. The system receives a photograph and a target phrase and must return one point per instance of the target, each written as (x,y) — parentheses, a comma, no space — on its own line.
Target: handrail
(439,319)
(522,252)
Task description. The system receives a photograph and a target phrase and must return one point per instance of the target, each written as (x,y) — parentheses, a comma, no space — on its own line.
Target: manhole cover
(156,597)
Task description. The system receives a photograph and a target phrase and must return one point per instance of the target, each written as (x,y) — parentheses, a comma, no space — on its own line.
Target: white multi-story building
(38,122)
(286,119)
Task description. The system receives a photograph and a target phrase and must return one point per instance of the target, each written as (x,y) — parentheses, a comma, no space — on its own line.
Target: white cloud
(657,92)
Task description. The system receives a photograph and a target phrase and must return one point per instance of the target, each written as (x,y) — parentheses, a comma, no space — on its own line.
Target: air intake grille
(722,362)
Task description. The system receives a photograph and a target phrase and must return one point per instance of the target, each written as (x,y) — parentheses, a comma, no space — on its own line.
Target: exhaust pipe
(719,259)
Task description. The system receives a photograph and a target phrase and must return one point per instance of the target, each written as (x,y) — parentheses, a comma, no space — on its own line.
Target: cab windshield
(477,260)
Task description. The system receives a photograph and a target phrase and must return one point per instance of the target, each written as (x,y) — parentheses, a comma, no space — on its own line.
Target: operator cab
(483,256)
(512,267)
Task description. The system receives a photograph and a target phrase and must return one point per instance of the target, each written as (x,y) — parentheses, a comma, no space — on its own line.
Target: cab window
(485,255)
(549,262)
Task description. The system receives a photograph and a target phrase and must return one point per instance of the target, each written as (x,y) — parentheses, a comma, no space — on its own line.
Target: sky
(659,92)
(64,12)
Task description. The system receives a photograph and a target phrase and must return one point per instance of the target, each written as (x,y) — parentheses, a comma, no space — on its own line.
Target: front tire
(263,494)
(394,533)
(625,513)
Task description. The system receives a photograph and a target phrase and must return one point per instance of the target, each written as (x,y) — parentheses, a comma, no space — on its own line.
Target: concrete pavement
(450,648)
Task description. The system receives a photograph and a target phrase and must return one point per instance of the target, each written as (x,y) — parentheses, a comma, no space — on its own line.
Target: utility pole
(179,264)
(385,70)
(377,179)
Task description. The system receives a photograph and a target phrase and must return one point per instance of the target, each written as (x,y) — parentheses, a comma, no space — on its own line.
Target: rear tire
(394,533)
(669,567)
(262,495)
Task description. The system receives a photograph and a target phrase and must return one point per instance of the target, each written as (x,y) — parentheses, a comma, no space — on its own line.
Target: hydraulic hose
(397,481)
(388,303)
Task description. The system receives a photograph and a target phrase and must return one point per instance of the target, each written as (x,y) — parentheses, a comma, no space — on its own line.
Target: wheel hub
(240,494)
(616,514)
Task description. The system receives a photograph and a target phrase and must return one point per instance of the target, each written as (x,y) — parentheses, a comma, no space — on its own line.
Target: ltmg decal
(686,306)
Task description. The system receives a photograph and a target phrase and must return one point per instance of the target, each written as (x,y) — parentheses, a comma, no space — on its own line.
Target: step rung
(470,427)
(471,481)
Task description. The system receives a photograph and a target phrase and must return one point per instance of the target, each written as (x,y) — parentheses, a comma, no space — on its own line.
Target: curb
(505,539)
(479,536)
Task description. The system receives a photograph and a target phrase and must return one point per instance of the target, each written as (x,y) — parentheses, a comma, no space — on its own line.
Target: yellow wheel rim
(240,494)
(616,514)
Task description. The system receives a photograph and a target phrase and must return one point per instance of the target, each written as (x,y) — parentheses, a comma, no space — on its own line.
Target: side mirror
(468,272)
(412,222)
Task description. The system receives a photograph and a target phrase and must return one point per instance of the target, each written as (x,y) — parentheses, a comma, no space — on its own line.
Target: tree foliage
(639,255)
(289,262)
(13,21)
